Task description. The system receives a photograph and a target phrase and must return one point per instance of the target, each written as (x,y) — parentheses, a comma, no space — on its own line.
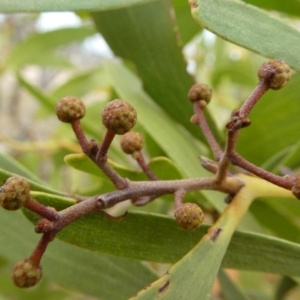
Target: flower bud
(119,116)
(14,193)
(200,92)
(69,109)
(25,274)
(276,72)
(132,142)
(189,216)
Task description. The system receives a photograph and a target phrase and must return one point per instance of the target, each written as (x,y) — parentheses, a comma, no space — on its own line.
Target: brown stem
(178,197)
(42,210)
(206,131)
(107,140)
(136,190)
(82,140)
(40,249)
(286,182)
(139,157)
(259,91)
(224,162)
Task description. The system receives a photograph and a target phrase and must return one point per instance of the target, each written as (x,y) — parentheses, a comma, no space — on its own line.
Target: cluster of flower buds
(119,117)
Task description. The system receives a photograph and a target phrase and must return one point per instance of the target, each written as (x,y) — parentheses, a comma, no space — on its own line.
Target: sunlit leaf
(67,5)
(233,21)
(35,49)
(144,29)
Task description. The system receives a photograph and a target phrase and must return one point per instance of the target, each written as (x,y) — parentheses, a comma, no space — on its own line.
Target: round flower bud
(25,274)
(189,216)
(276,72)
(200,92)
(132,142)
(69,109)
(119,116)
(14,193)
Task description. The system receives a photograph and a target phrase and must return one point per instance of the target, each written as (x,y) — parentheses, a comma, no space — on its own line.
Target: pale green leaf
(35,49)
(250,28)
(191,276)
(66,5)
(161,166)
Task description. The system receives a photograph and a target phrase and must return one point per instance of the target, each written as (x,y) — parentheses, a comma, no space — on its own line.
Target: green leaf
(83,163)
(291,7)
(284,287)
(185,24)
(233,21)
(91,273)
(45,100)
(82,84)
(9,164)
(276,217)
(158,234)
(274,124)
(66,5)
(195,272)
(230,290)
(161,166)
(36,48)
(138,32)
(178,145)
(34,186)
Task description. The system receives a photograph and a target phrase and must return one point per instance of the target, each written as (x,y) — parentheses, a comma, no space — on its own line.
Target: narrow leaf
(137,33)
(35,48)
(153,238)
(67,5)
(233,21)
(230,290)
(91,273)
(291,7)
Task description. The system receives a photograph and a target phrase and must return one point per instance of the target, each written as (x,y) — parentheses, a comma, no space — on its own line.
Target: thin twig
(285,182)
(217,151)
(139,157)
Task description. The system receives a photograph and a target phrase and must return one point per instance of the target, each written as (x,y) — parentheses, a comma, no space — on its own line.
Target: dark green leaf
(275,124)
(137,33)
(291,7)
(285,286)
(158,234)
(230,290)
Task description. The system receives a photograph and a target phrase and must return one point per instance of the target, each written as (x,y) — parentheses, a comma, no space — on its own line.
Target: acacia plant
(192,205)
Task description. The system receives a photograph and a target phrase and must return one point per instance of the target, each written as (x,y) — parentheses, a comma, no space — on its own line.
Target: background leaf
(221,17)
(146,28)
(271,130)
(67,5)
